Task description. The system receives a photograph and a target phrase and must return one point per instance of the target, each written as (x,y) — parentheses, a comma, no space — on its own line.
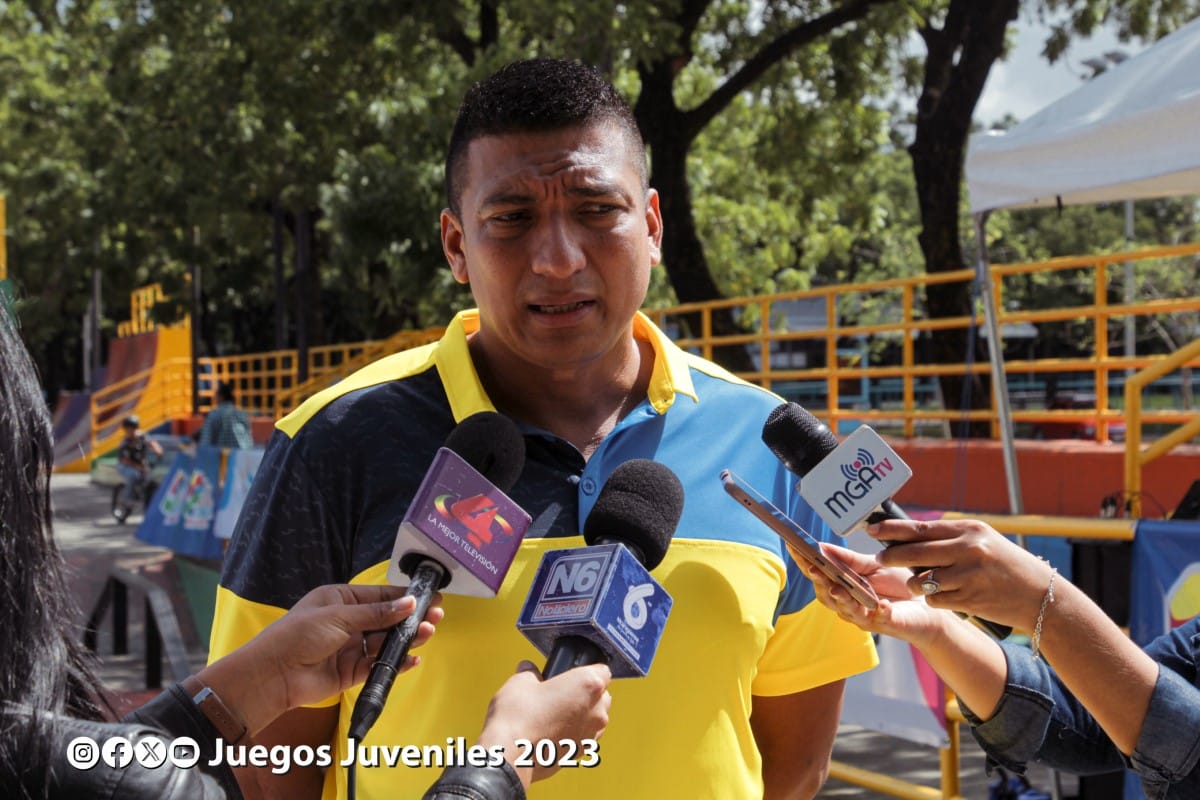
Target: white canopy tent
(1132,132)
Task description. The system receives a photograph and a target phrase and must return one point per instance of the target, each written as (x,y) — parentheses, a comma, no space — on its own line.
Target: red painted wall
(1061,478)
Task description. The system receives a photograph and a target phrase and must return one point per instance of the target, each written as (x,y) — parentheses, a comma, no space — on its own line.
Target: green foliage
(141,138)
(1040,234)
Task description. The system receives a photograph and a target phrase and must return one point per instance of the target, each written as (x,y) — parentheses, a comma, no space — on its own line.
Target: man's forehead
(585,152)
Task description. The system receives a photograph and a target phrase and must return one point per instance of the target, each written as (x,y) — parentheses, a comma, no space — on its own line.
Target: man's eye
(510,217)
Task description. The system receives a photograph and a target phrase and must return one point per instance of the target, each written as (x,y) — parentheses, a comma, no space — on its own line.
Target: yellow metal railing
(257,378)
(1135,457)
(764,319)
(156,395)
(332,371)
(267,383)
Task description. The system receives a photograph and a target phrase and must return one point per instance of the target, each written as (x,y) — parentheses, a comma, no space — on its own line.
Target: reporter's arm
(322,646)
(301,726)
(969,660)
(984,574)
(1091,656)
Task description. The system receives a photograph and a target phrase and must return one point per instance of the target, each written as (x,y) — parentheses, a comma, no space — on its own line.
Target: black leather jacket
(172,715)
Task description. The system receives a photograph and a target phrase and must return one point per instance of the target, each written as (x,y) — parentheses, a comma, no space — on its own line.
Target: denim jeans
(1038,719)
(132,477)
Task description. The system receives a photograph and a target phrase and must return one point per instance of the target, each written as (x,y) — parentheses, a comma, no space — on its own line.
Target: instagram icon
(83,752)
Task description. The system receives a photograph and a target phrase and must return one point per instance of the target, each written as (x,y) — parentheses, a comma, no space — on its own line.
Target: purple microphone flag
(463,521)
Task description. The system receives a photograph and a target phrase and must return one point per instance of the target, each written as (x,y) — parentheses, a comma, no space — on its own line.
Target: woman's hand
(900,613)
(323,646)
(977,571)
(573,705)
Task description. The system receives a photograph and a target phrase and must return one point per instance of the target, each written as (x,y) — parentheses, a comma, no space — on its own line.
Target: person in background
(133,456)
(226,425)
(1082,698)
(50,696)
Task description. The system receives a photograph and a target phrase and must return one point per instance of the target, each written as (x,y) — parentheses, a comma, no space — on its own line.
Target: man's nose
(557,251)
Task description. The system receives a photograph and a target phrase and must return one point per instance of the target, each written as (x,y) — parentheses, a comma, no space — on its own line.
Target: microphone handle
(889,510)
(427,578)
(572,651)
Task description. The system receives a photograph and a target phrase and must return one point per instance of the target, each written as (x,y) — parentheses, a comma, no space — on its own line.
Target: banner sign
(180,516)
(240,468)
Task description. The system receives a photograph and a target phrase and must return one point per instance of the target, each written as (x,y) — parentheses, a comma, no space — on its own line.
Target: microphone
(847,484)
(460,534)
(598,603)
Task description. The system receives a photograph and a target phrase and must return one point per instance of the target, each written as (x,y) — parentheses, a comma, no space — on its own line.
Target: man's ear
(452,246)
(654,226)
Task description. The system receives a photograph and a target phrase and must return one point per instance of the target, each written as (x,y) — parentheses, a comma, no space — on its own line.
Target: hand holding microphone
(459,536)
(849,484)
(324,645)
(569,707)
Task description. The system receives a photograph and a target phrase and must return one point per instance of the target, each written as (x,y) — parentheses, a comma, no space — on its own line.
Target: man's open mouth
(563,308)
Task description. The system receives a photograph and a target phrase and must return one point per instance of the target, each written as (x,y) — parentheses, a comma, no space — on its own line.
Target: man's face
(556,239)
(130,431)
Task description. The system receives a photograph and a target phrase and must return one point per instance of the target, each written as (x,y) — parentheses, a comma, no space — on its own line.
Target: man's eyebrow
(591,189)
(598,189)
(506,198)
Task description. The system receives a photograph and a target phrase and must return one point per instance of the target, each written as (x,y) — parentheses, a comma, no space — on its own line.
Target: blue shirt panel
(697,440)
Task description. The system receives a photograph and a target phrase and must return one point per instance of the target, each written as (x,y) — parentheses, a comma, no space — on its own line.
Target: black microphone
(809,449)
(598,603)
(460,534)
(842,482)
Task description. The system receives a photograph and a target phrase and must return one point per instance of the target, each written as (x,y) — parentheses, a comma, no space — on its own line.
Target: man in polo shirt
(553,226)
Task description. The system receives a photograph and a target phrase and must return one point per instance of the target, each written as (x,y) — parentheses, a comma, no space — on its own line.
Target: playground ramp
(72,426)
(123,384)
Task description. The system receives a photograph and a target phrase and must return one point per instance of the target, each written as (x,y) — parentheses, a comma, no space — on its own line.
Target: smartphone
(801,544)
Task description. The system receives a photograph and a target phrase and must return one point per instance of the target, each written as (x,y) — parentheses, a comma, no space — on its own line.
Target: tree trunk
(960,55)
(303,240)
(277,224)
(665,130)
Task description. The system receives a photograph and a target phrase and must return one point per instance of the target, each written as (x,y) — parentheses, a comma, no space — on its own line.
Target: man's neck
(581,405)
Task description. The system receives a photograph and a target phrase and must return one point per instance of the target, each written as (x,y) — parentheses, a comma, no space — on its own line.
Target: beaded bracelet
(1036,642)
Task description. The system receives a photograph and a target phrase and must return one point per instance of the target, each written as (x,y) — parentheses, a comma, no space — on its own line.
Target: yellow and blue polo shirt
(340,472)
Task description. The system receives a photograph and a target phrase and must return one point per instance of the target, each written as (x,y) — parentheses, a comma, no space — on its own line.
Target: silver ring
(364,646)
(929,584)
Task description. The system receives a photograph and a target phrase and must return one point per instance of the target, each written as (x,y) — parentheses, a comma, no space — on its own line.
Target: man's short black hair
(534,96)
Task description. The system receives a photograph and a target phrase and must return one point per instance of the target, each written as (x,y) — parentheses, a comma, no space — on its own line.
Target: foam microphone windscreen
(797,438)
(493,445)
(639,506)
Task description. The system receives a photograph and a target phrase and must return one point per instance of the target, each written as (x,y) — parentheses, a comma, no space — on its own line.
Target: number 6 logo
(636,609)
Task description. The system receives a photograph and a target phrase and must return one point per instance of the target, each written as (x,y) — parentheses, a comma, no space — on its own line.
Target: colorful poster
(1165,590)
(181,514)
(240,469)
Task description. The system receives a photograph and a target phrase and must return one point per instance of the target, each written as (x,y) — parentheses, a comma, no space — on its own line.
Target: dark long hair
(44,671)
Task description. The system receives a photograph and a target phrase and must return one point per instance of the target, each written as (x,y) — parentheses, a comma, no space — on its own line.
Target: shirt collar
(671,374)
